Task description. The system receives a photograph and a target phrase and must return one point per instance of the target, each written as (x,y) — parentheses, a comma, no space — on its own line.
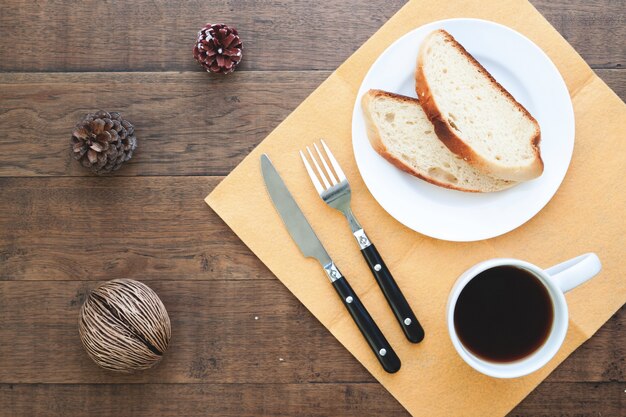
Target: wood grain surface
(188,125)
(242,345)
(157,35)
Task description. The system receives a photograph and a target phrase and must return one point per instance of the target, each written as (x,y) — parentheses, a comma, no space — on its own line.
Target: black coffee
(503,314)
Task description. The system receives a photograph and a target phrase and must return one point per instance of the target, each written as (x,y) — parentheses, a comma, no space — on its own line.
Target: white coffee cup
(557,280)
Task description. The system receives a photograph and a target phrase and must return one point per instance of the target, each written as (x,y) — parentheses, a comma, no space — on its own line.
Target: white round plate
(529,75)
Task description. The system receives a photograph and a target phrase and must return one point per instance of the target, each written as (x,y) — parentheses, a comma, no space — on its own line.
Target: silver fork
(334,189)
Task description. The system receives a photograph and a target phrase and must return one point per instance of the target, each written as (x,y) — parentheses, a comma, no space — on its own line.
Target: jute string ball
(124,326)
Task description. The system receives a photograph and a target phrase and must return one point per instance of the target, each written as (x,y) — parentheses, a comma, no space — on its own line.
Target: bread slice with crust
(400,132)
(473,115)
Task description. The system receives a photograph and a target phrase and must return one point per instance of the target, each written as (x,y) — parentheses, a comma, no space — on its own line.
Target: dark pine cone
(218,48)
(103,141)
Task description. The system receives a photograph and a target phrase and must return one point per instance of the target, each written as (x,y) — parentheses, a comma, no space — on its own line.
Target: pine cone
(218,48)
(103,141)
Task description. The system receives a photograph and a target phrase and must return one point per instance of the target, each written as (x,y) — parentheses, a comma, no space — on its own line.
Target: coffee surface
(503,314)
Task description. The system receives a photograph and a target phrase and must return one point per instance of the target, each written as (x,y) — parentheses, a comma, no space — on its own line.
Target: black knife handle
(379,345)
(410,326)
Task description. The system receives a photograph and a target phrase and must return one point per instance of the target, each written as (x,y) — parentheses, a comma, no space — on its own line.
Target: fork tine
(330,173)
(319,170)
(334,162)
(309,170)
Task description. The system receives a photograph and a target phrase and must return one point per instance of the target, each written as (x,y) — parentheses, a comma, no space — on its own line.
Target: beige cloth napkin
(585,215)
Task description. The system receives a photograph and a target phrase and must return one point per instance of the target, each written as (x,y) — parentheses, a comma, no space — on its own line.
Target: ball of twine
(124,326)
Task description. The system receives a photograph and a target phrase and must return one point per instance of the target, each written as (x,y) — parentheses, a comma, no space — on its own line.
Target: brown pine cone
(218,48)
(103,141)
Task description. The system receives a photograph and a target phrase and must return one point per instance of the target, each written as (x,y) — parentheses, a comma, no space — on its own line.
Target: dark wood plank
(186,124)
(241,400)
(573,400)
(223,332)
(191,400)
(103,228)
(595,28)
(148,35)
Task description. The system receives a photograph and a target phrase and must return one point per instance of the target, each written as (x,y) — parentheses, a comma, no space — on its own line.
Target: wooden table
(235,327)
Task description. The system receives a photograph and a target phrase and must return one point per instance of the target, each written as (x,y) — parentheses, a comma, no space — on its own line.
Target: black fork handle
(404,314)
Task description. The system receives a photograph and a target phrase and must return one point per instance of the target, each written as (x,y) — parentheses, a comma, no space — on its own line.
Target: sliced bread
(473,115)
(400,132)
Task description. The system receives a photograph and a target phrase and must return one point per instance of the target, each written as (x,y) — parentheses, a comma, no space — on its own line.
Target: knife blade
(297,225)
(305,238)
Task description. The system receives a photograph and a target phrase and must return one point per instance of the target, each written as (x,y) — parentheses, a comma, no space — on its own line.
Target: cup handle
(570,274)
